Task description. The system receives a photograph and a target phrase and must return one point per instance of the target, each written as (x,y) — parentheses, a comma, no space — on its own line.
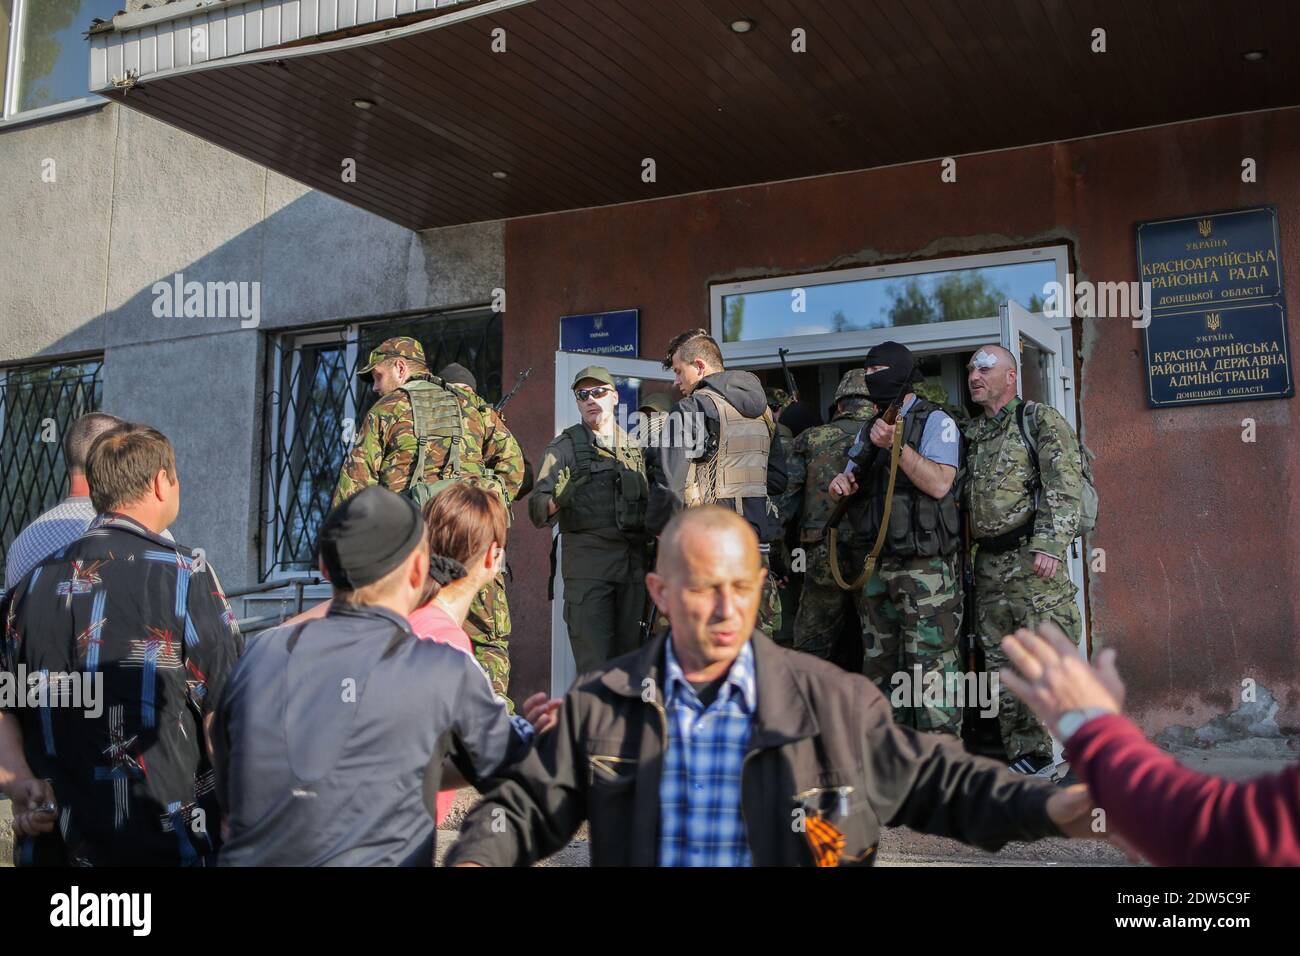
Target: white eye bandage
(983,360)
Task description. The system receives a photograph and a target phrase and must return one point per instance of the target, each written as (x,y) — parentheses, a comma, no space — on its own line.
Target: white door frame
(567,365)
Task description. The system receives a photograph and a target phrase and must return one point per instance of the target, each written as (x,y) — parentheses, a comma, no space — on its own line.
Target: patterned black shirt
(130,612)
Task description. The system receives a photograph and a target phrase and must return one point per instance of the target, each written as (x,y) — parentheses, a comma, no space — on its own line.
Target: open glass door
(635,379)
(1039,348)
(1045,376)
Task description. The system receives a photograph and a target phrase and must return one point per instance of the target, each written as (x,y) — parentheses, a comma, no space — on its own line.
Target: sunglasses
(600,391)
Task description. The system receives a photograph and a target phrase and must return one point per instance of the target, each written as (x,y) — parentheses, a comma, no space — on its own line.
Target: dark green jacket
(816,727)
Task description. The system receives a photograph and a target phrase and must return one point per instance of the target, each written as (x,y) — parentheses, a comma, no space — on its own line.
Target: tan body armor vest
(739,469)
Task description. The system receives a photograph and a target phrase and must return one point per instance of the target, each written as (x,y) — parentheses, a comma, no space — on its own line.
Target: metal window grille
(315,400)
(37,404)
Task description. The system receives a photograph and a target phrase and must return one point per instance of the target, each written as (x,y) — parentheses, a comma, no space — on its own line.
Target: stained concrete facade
(1198,527)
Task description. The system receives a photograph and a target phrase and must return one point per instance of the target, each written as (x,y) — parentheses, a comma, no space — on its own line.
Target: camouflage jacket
(817,456)
(385,448)
(1000,474)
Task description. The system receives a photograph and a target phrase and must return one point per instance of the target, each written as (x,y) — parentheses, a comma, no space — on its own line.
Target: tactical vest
(828,460)
(919,526)
(739,469)
(608,492)
(439,431)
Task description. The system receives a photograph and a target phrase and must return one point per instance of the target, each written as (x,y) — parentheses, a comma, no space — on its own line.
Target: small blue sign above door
(601,333)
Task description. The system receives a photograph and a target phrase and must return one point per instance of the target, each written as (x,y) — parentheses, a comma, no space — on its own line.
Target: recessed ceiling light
(499,174)
(363,104)
(1254,56)
(742,25)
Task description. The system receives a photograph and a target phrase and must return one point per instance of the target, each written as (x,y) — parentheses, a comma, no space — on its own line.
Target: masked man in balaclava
(913,606)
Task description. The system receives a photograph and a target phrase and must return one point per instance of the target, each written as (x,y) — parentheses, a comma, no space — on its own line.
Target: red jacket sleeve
(1178,817)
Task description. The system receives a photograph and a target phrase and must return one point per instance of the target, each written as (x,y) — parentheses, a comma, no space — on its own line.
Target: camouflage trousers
(1008,595)
(488,627)
(823,606)
(909,628)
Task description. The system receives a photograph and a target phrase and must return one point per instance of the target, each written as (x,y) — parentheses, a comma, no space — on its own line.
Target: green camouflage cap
(596,373)
(853,384)
(402,346)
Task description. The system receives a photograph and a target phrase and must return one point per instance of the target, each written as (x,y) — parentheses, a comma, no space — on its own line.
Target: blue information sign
(601,333)
(1218,315)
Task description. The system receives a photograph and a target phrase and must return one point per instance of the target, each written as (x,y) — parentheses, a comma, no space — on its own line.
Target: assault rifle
(523,377)
(790,385)
(863,455)
(969,641)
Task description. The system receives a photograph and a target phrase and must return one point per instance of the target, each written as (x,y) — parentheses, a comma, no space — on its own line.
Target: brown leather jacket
(816,726)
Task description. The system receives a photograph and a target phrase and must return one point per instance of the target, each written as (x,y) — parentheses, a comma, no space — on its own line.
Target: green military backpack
(1089,504)
(438,423)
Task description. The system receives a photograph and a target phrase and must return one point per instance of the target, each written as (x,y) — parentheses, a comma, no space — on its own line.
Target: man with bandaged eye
(1024,491)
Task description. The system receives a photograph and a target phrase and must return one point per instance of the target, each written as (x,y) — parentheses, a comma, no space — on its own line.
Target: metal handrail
(248,625)
(273,585)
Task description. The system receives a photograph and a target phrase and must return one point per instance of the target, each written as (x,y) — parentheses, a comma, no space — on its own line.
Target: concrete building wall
(133,203)
(1199,529)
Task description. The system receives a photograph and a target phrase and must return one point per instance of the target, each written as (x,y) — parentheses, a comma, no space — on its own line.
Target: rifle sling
(895,453)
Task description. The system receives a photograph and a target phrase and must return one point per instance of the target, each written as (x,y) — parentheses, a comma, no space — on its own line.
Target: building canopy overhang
(438,112)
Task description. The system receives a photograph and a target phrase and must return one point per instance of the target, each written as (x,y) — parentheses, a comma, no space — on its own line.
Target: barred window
(315,405)
(37,404)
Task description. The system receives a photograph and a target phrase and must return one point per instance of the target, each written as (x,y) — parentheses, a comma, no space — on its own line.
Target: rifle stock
(862,458)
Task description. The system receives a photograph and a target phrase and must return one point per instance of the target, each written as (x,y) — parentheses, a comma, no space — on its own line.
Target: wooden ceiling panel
(588,89)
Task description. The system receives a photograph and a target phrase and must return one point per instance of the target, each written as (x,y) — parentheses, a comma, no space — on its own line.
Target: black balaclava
(888,385)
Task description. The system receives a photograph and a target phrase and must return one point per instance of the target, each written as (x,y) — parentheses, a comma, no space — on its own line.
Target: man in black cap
(912,611)
(592,484)
(330,734)
(457,374)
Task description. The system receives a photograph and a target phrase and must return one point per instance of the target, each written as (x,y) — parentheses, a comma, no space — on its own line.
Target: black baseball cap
(368,536)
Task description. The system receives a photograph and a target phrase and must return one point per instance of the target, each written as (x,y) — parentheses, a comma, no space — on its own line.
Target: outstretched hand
(1052,678)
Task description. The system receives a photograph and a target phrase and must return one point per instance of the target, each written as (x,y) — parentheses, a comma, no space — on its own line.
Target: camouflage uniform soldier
(478,449)
(817,456)
(739,463)
(500,466)
(592,484)
(913,598)
(1023,520)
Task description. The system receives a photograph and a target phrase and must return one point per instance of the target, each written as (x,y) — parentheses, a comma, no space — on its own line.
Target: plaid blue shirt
(700,823)
(53,531)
